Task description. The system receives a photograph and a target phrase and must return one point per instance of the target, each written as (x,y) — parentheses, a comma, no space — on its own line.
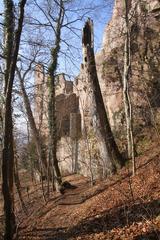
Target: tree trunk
(35,133)
(1,137)
(11,51)
(43,166)
(18,184)
(52,104)
(111,154)
(126,95)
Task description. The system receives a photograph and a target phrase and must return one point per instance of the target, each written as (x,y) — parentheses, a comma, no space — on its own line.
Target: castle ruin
(78,151)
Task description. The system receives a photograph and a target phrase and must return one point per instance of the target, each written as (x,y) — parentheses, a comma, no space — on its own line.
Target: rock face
(73,98)
(145,57)
(144,82)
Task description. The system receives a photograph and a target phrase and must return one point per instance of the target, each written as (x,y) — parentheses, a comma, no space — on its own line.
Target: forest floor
(119,208)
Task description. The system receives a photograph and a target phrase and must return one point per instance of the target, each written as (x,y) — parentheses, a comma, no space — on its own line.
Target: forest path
(120,208)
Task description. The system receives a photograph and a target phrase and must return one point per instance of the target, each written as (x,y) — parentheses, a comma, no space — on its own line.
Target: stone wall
(65,105)
(77,145)
(63,86)
(81,90)
(66,102)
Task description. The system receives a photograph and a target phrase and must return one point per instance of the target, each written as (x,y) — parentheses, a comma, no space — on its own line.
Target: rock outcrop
(145,68)
(144,86)
(144,82)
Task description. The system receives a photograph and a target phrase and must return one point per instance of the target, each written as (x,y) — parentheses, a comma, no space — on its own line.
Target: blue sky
(99,11)
(101,15)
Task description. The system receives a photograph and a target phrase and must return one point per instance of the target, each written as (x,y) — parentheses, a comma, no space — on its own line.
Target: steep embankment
(121,207)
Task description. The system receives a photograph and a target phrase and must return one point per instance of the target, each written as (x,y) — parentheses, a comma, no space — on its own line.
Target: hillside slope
(121,207)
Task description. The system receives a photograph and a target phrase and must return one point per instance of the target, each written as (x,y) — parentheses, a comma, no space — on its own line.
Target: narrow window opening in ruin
(85,59)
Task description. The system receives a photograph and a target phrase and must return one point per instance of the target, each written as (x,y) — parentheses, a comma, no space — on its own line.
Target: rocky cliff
(144,83)
(83,150)
(145,58)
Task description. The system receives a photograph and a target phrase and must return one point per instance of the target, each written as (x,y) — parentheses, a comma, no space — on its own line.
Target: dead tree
(35,133)
(126,95)
(111,155)
(11,49)
(42,162)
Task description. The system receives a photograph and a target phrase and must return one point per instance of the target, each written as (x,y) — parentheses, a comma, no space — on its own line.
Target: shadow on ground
(115,218)
(149,236)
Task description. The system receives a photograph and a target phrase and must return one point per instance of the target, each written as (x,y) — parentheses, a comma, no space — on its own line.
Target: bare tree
(111,154)
(35,132)
(126,94)
(42,166)
(18,183)
(51,83)
(12,43)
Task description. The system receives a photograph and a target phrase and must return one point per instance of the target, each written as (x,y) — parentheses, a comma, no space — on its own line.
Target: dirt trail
(119,208)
